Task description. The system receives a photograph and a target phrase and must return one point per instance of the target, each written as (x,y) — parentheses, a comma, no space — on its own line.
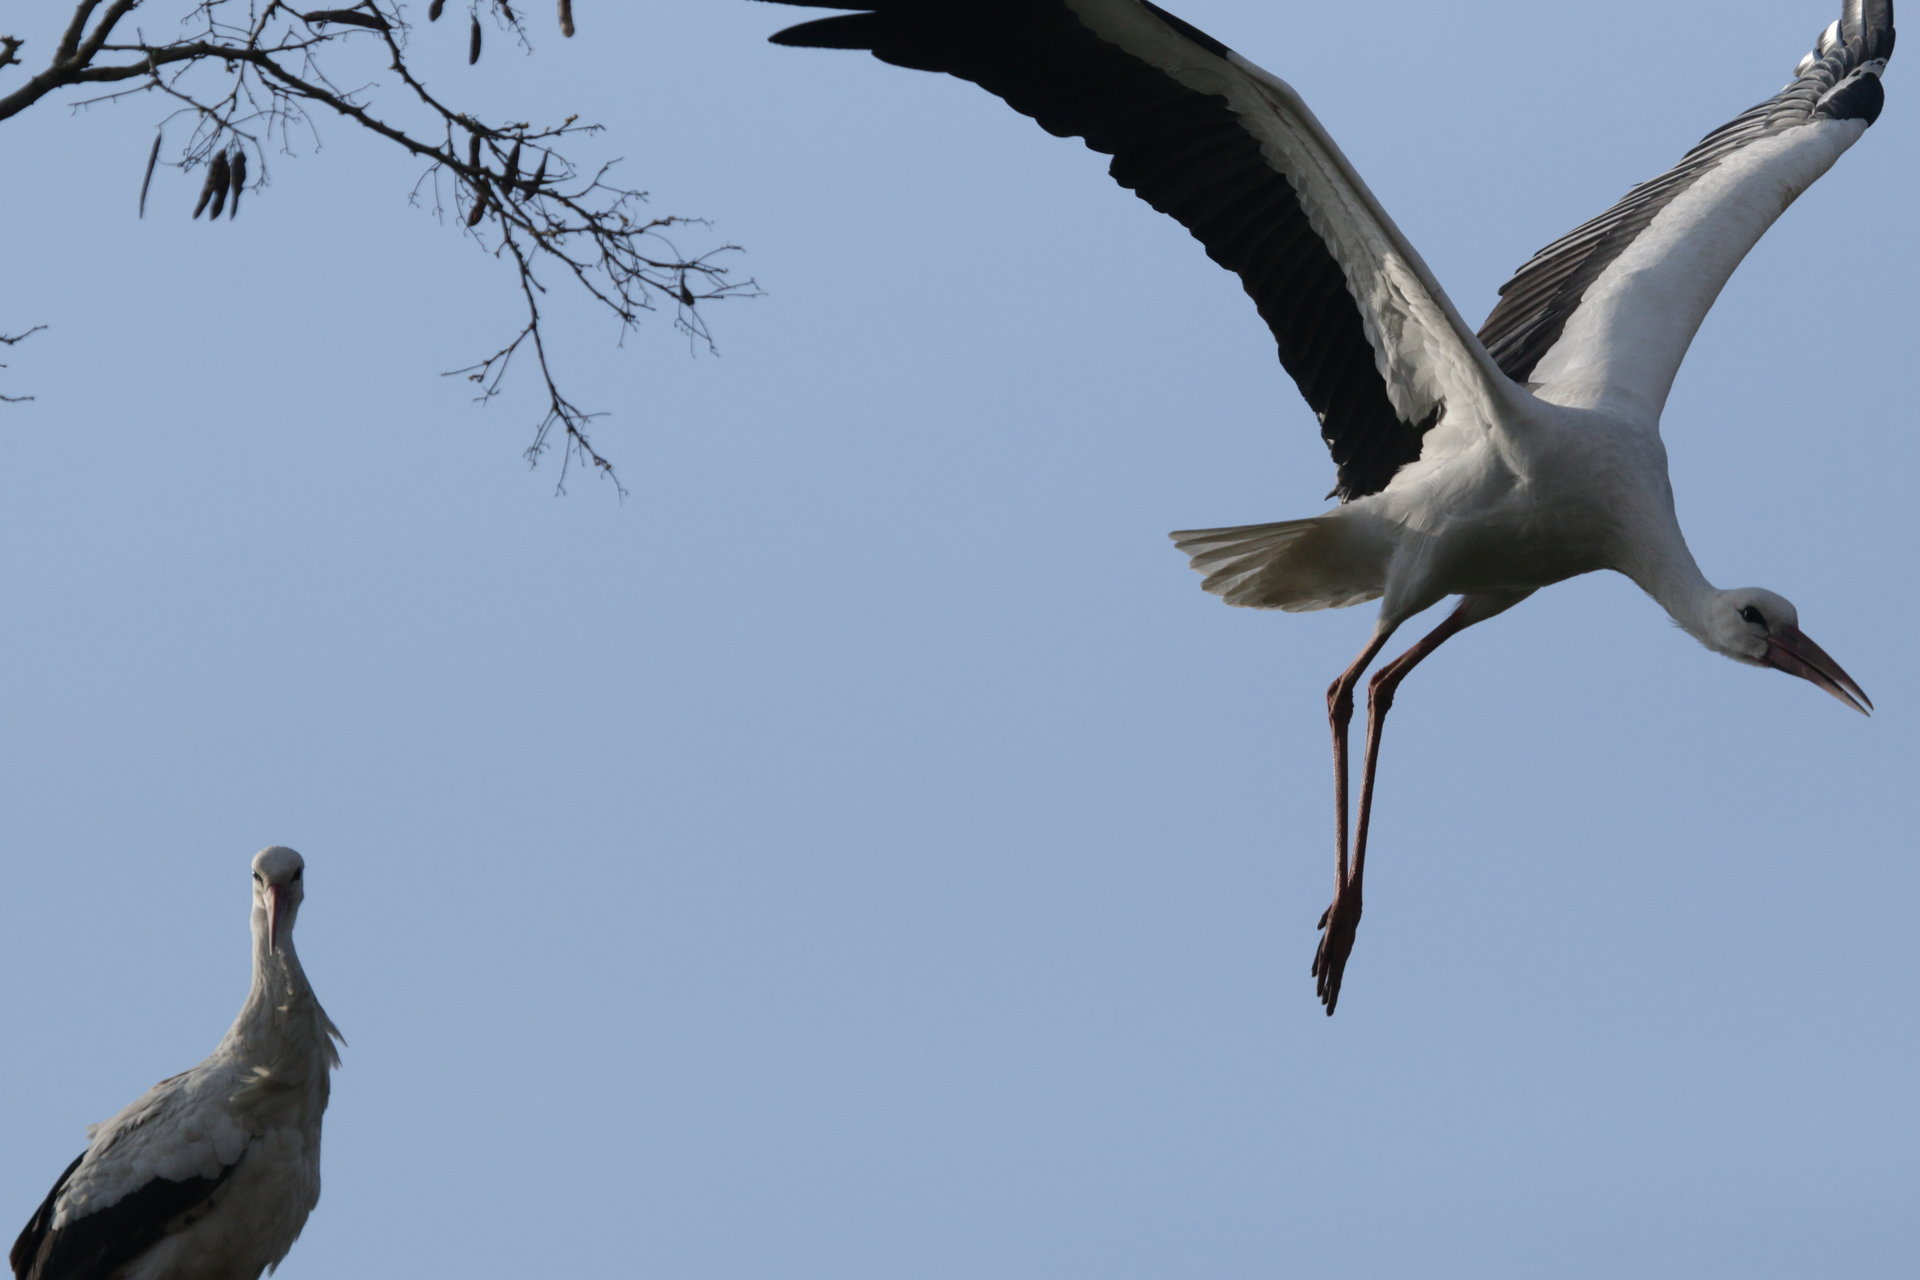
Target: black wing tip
(1861,98)
(1190,31)
(1839,80)
(1186,153)
(1849,57)
(826,33)
(1871,23)
(830,33)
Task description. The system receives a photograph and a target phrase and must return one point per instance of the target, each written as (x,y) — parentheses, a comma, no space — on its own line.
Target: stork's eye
(1751,614)
(258,878)
(302,871)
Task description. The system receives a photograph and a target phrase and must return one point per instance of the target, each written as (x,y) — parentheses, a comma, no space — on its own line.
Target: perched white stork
(210,1174)
(1484,466)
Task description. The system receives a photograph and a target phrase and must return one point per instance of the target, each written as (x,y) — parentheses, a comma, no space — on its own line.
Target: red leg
(1341,920)
(1339,713)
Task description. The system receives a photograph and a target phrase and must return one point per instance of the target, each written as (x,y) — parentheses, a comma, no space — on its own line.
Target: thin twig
(10,340)
(255,86)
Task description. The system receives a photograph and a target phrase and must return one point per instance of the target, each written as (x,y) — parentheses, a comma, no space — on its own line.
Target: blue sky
(864,851)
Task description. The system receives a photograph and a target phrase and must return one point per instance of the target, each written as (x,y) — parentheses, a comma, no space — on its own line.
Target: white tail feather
(1291,564)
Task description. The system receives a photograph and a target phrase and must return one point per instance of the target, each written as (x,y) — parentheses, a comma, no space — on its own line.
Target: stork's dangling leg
(1339,714)
(1341,920)
(1510,458)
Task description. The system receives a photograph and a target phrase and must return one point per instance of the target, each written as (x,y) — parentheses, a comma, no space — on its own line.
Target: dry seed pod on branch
(473,41)
(214,190)
(222,179)
(153,158)
(566,18)
(349,17)
(237,180)
(269,79)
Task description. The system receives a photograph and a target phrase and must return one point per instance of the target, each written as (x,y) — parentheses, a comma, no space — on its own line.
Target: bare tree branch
(244,80)
(9,340)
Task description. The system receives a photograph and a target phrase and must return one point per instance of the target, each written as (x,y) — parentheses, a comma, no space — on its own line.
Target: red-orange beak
(1791,651)
(276,918)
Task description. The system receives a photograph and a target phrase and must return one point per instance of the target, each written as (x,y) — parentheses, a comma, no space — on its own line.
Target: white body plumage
(1480,464)
(210,1174)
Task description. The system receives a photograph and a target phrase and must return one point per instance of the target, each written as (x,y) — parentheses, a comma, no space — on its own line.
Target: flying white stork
(210,1174)
(1484,466)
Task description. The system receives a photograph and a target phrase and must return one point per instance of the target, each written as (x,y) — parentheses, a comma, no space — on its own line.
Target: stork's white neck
(282,1036)
(1666,570)
(279,986)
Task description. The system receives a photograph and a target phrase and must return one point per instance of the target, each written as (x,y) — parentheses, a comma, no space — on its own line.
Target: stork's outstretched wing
(1602,316)
(1230,151)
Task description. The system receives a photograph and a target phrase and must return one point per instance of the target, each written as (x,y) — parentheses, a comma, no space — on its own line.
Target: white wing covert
(179,1130)
(159,1159)
(1602,317)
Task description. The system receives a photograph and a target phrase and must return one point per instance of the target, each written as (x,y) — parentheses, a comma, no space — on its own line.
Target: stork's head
(1750,624)
(277,891)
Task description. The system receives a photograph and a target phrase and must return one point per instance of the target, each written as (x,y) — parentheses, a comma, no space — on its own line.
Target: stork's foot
(1338,924)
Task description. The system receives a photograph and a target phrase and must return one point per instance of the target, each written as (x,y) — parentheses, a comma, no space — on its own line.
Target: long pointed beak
(1791,651)
(275,917)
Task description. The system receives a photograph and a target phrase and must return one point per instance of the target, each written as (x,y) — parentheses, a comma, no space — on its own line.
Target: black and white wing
(1603,316)
(1230,151)
(147,1170)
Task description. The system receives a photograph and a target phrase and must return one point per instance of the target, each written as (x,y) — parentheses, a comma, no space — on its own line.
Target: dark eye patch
(1751,614)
